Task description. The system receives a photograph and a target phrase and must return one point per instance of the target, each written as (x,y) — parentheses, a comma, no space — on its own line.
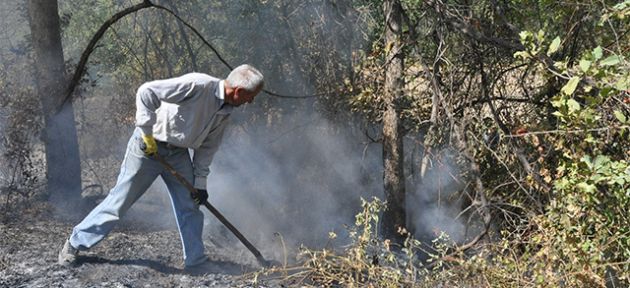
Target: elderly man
(172,116)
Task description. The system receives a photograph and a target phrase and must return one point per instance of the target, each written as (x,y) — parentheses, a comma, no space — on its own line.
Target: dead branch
(518,150)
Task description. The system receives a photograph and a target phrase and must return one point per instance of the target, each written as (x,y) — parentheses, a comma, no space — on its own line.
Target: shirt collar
(227,108)
(220,92)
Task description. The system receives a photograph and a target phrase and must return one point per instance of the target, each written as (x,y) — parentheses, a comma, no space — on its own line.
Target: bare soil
(131,256)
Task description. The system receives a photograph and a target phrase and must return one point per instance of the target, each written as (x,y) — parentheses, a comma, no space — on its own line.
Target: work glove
(148,145)
(200,197)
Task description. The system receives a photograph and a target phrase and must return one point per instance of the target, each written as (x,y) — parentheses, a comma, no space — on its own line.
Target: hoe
(261,260)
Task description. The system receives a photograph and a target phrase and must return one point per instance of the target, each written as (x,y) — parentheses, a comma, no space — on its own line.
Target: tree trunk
(393,175)
(63,171)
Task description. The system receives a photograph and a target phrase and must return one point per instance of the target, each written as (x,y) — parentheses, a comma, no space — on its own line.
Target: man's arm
(151,94)
(204,154)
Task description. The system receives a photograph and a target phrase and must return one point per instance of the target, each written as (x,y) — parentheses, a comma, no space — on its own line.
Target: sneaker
(201,267)
(68,254)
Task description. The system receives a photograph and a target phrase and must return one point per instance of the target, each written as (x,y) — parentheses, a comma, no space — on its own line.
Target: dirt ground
(131,256)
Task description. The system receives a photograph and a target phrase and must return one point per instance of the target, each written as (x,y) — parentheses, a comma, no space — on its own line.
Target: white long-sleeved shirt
(188,112)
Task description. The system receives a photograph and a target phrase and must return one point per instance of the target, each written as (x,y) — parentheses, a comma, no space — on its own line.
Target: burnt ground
(131,256)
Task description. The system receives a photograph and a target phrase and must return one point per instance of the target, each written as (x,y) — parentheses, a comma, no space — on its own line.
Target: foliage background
(515,117)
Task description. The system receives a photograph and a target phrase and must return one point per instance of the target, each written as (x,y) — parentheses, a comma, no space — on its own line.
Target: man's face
(241,96)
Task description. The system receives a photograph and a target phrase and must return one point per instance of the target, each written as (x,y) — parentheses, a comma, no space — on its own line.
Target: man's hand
(148,145)
(200,197)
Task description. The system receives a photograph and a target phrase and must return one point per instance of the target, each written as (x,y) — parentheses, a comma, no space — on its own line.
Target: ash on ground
(133,255)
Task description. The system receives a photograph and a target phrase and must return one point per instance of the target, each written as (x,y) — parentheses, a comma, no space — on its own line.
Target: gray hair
(246,77)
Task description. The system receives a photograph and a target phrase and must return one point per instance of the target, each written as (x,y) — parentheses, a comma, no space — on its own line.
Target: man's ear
(228,88)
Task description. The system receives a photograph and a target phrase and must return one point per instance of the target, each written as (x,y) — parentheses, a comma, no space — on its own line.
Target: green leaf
(558,114)
(524,34)
(620,6)
(592,101)
(611,60)
(586,159)
(540,36)
(588,89)
(622,118)
(557,101)
(599,161)
(555,44)
(623,84)
(586,187)
(603,20)
(573,105)
(569,88)
(560,65)
(522,54)
(584,65)
(597,52)
(605,91)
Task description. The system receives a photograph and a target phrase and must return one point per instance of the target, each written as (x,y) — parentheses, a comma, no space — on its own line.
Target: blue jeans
(137,173)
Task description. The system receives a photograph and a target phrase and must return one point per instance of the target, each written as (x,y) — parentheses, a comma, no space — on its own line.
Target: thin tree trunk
(393,175)
(63,171)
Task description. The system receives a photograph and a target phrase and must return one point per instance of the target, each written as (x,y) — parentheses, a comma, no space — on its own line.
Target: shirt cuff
(200,182)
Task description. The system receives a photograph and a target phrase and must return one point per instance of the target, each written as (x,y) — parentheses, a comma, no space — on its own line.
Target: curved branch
(196,32)
(216,52)
(78,72)
(80,69)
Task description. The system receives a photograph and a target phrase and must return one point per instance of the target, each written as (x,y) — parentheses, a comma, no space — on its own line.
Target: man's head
(242,85)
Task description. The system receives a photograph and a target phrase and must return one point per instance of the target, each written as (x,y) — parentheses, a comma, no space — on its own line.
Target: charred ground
(134,255)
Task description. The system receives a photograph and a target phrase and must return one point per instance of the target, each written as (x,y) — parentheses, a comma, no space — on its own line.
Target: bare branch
(78,72)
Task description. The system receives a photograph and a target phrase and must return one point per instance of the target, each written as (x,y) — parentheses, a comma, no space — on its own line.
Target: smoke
(435,203)
(302,185)
(283,168)
(300,181)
